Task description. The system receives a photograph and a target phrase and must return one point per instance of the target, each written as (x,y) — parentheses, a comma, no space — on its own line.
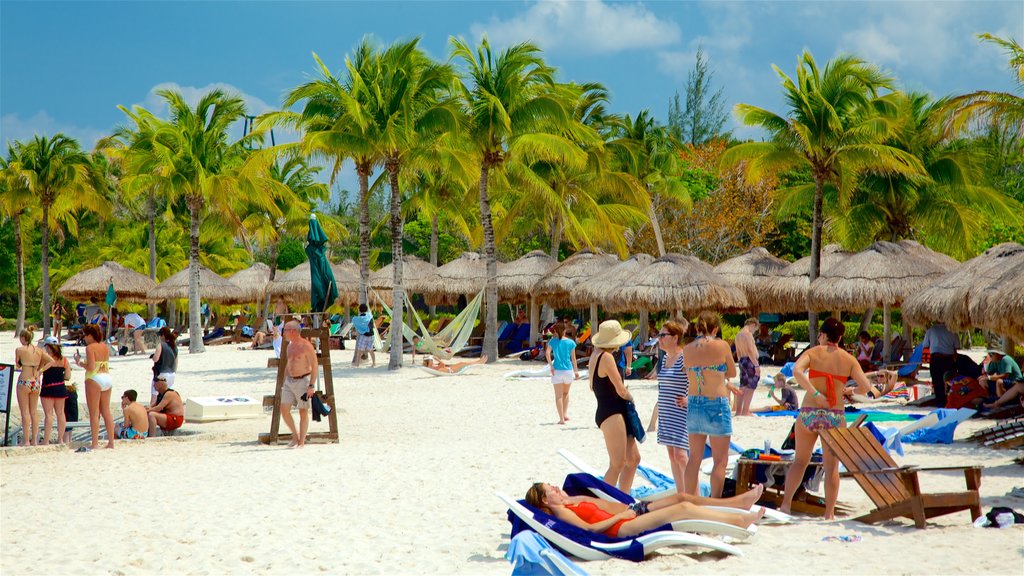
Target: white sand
(410,487)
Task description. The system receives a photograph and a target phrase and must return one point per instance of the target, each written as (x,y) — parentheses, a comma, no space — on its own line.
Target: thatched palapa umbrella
(678,283)
(212,287)
(253,281)
(750,272)
(516,279)
(604,287)
(883,274)
(414,273)
(294,284)
(464,276)
(999,306)
(788,291)
(948,299)
(555,287)
(129,284)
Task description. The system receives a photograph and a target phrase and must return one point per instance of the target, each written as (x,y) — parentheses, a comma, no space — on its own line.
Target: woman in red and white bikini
(822,372)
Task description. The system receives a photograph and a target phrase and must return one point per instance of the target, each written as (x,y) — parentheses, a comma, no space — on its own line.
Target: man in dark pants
(942,345)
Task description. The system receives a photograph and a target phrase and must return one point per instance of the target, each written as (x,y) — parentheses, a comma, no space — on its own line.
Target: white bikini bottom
(103,379)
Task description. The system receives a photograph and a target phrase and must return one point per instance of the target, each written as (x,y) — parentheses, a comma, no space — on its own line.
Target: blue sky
(65,66)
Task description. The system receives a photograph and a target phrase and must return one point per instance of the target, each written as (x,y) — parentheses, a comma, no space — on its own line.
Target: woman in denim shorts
(709,365)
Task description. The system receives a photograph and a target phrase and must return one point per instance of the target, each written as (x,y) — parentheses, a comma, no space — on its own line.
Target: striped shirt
(672,383)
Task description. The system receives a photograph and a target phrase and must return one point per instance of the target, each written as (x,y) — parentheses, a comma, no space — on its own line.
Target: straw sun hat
(610,335)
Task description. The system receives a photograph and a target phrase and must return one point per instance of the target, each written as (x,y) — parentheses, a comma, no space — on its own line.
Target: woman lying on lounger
(435,364)
(620,520)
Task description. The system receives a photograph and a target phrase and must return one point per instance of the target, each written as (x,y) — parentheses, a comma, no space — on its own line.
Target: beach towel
(532,555)
(941,432)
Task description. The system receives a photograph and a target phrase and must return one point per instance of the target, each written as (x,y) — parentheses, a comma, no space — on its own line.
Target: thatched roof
(516,278)
(677,282)
(294,285)
(749,272)
(555,286)
(949,297)
(606,285)
(937,257)
(253,281)
(999,306)
(414,273)
(129,284)
(212,287)
(883,273)
(464,276)
(787,292)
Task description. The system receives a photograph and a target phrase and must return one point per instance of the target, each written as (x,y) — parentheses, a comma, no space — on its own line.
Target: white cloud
(14,127)
(588,27)
(192,94)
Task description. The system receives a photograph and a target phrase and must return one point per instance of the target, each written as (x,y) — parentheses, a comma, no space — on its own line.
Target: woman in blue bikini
(709,365)
(822,372)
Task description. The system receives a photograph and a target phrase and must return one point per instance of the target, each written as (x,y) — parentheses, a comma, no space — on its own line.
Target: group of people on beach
(694,409)
(45,375)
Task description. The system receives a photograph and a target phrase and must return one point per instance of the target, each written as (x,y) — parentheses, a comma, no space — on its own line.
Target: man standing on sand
(750,371)
(362,323)
(169,412)
(942,346)
(136,423)
(301,373)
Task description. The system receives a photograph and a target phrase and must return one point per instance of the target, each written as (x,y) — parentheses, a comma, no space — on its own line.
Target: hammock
(446,343)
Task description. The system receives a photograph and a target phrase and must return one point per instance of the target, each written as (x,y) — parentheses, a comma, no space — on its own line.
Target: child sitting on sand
(788,401)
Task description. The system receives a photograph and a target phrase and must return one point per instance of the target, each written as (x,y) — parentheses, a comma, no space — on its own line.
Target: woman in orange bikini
(822,372)
(620,520)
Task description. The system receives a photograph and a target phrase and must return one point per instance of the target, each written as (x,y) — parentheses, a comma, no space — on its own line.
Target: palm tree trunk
(152,246)
(812,316)
(397,291)
(433,260)
(547,313)
(865,320)
(655,226)
(195,331)
(19,259)
(44,245)
(363,171)
(491,289)
(273,274)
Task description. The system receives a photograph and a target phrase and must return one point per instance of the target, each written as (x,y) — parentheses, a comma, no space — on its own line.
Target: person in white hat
(612,396)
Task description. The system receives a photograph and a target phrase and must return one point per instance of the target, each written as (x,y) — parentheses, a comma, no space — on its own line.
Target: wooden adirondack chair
(895,490)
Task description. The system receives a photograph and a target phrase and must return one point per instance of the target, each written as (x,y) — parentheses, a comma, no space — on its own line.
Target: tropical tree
(703,116)
(198,164)
(515,117)
(55,169)
(985,107)
(947,208)
(645,150)
(833,127)
(15,202)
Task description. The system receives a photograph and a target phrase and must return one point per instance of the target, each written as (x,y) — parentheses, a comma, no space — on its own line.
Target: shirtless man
(750,371)
(168,413)
(136,421)
(299,383)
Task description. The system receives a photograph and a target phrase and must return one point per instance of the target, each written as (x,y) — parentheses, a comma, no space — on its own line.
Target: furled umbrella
(750,272)
(323,290)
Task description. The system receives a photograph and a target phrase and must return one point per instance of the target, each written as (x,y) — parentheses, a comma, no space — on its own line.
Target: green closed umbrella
(111,300)
(323,287)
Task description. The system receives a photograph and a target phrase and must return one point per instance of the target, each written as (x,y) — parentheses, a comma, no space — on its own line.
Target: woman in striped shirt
(673,388)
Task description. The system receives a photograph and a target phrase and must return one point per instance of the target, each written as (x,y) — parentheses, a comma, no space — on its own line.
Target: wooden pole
(593,319)
(534,322)
(887,333)
(644,320)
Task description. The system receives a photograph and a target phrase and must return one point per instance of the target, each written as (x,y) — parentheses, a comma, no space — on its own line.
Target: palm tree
(15,202)
(516,116)
(54,168)
(198,164)
(645,150)
(947,208)
(987,107)
(831,127)
(327,133)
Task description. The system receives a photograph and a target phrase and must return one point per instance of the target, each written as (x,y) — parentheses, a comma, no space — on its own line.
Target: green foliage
(291,253)
(704,115)
(728,332)
(798,329)
(417,234)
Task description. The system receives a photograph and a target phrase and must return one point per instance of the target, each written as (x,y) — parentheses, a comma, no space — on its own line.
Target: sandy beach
(410,487)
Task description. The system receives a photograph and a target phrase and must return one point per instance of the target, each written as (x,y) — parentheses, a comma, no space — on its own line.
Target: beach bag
(122,351)
(633,425)
(964,392)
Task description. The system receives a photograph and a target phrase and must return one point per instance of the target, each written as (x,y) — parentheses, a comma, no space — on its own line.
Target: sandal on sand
(83,450)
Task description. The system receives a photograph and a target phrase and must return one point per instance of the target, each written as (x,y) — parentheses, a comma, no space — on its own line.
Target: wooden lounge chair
(895,490)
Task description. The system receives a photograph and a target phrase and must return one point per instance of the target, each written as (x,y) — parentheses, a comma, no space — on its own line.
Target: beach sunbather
(616,519)
(435,364)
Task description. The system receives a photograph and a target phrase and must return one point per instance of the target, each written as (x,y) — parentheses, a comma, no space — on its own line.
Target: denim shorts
(709,416)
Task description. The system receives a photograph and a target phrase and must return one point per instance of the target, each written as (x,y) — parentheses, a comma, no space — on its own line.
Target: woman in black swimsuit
(54,391)
(612,395)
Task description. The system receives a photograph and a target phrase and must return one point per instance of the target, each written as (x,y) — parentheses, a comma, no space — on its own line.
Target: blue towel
(942,432)
(787,369)
(659,483)
(525,552)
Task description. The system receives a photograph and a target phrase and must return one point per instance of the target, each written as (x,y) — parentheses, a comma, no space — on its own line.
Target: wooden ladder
(323,347)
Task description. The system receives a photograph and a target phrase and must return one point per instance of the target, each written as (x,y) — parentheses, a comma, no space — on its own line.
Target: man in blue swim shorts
(136,419)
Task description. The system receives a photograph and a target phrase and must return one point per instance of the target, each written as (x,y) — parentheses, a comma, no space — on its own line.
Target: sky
(66,66)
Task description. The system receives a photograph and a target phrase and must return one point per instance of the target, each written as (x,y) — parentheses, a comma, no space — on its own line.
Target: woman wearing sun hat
(612,395)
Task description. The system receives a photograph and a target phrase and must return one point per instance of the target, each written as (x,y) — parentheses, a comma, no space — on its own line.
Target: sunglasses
(663,334)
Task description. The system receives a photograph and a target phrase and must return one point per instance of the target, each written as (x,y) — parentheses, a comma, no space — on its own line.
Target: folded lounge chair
(531,554)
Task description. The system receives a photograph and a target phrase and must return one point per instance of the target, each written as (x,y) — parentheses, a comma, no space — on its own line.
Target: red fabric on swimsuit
(174,421)
(592,514)
(830,392)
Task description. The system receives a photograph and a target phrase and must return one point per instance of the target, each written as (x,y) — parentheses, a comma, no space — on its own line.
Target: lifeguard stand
(320,337)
